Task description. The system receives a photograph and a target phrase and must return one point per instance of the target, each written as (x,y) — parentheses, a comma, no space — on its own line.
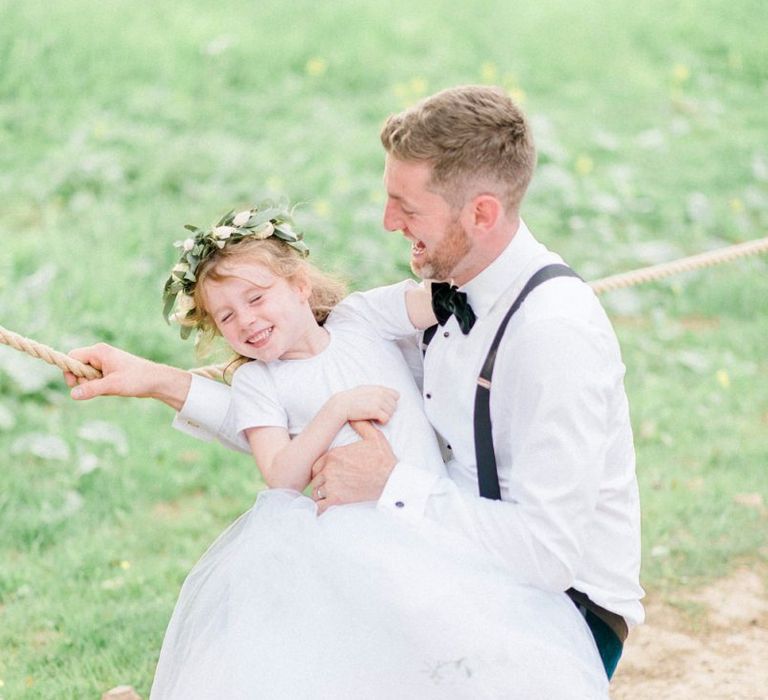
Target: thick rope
(606,284)
(693,262)
(51,356)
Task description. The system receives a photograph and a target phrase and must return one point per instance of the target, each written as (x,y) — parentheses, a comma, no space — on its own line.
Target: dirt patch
(710,644)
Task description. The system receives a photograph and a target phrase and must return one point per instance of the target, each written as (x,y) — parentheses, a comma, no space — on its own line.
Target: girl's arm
(287,463)
(418,302)
(124,374)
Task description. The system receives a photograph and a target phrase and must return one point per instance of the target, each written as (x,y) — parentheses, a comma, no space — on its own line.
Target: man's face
(439,242)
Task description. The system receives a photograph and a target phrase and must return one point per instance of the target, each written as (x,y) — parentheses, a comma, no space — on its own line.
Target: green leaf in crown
(268,218)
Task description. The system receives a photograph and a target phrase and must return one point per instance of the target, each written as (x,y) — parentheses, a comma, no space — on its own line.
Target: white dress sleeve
(255,400)
(216,411)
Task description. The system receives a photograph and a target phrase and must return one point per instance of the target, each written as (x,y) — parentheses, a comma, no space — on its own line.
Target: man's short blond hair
(475,137)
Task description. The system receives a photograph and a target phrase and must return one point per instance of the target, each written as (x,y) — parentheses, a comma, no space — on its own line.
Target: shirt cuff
(406,492)
(205,409)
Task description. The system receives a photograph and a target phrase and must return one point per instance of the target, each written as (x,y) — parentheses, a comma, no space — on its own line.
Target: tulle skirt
(356,604)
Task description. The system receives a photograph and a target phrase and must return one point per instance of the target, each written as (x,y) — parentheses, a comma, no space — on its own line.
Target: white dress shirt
(569,514)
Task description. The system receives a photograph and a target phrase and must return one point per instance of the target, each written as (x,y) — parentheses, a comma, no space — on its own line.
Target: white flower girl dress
(357,603)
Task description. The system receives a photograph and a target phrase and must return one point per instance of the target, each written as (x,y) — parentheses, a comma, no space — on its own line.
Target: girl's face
(261,315)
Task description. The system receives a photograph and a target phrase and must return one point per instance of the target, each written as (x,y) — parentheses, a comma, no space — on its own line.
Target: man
(457,168)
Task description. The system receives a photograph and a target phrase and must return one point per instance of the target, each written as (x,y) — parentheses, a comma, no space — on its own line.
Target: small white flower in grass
(41,445)
(112,584)
(188,244)
(7,418)
(87,463)
(99,431)
(224,232)
(241,218)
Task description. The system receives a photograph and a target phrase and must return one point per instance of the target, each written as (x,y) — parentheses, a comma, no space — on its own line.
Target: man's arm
(550,494)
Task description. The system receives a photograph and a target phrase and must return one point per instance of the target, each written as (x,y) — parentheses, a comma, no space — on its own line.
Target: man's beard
(440,264)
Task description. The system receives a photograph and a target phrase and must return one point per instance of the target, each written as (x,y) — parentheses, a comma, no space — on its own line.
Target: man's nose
(392,221)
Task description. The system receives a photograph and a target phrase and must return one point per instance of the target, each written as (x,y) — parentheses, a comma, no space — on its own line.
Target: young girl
(352,604)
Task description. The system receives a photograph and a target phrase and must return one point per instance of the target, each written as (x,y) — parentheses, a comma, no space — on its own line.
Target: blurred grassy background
(120,122)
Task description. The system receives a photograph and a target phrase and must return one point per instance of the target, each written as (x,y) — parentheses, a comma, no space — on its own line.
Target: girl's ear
(303,286)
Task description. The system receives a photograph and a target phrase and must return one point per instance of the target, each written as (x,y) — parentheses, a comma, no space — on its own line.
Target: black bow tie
(447,300)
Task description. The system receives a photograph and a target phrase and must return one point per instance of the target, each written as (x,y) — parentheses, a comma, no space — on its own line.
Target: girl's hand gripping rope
(125,374)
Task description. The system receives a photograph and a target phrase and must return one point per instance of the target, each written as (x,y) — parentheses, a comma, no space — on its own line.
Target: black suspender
(487,473)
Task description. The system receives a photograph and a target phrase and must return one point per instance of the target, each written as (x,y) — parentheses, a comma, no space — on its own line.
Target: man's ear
(485,212)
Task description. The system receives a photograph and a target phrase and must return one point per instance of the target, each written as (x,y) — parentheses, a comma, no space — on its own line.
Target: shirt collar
(484,290)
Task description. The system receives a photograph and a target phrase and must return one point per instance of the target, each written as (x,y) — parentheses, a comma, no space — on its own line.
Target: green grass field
(120,122)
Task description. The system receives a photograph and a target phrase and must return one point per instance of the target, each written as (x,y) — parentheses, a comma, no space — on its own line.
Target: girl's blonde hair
(281,260)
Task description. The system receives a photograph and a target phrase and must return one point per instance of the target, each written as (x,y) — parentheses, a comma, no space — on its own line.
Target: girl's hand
(418,303)
(367,403)
(125,374)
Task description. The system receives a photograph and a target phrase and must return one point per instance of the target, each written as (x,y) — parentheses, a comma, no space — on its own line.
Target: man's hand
(128,375)
(353,473)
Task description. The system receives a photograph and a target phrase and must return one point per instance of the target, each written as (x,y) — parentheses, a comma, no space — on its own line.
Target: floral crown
(266,219)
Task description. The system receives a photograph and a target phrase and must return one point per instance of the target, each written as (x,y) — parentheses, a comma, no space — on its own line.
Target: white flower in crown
(264,232)
(224,232)
(184,304)
(188,244)
(241,218)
